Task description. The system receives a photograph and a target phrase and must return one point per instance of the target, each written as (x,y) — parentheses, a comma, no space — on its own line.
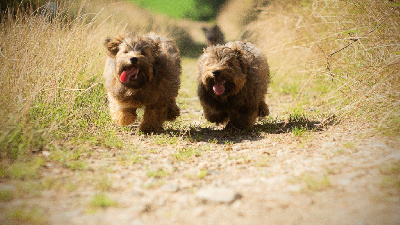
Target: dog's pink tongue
(219,88)
(128,74)
(124,78)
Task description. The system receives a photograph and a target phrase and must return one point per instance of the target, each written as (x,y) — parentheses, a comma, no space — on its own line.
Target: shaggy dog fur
(232,84)
(142,71)
(214,35)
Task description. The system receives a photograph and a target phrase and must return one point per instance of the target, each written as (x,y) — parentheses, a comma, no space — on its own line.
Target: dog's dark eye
(126,51)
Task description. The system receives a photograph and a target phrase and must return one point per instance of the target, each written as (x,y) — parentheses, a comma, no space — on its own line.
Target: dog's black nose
(134,60)
(216,73)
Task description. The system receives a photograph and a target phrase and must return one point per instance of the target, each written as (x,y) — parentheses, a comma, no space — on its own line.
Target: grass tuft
(6,195)
(25,215)
(160,173)
(101,200)
(313,182)
(391,179)
(186,153)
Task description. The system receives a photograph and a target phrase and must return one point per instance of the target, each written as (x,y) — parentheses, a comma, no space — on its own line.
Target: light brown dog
(142,71)
(232,84)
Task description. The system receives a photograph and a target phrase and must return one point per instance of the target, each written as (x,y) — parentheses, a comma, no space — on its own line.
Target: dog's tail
(263,109)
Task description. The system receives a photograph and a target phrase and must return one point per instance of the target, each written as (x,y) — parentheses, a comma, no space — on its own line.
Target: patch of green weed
(349,145)
(203,173)
(76,165)
(31,188)
(25,215)
(6,195)
(160,173)
(103,183)
(313,182)
(17,140)
(186,153)
(299,131)
(25,170)
(101,200)
(130,159)
(163,139)
(391,174)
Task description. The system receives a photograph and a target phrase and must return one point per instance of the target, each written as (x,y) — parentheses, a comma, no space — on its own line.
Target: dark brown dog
(142,71)
(232,84)
(214,35)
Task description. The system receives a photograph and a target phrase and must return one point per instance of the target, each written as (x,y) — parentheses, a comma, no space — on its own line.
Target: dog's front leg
(122,114)
(153,119)
(243,118)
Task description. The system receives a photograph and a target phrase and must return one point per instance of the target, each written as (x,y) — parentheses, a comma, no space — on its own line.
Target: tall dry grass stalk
(349,50)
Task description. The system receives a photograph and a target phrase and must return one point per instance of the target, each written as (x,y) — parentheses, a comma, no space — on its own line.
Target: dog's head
(223,70)
(134,57)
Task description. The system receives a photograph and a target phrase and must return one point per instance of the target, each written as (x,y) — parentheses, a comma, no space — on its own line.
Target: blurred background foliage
(199,10)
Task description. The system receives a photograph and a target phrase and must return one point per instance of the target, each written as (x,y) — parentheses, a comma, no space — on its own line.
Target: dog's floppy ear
(112,45)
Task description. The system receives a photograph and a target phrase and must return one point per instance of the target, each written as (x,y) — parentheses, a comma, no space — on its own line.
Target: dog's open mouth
(219,87)
(129,74)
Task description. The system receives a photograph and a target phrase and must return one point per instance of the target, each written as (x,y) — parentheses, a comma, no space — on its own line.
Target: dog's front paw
(148,129)
(124,118)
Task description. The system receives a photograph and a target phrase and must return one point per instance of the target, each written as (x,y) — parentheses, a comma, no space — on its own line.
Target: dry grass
(234,15)
(45,68)
(345,54)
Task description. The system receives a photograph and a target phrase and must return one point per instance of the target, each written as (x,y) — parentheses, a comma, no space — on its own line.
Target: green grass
(391,176)
(299,131)
(164,139)
(25,215)
(160,173)
(6,195)
(313,182)
(177,9)
(130,159)
(204,10)
(103,183)
(203,173)
(101,200)
(186,153)
(24,170)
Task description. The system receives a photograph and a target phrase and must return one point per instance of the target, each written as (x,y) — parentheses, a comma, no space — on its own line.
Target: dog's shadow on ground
(218,136)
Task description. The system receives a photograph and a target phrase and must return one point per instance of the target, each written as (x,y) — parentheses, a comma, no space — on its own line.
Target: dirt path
(196,173)
(328,177)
